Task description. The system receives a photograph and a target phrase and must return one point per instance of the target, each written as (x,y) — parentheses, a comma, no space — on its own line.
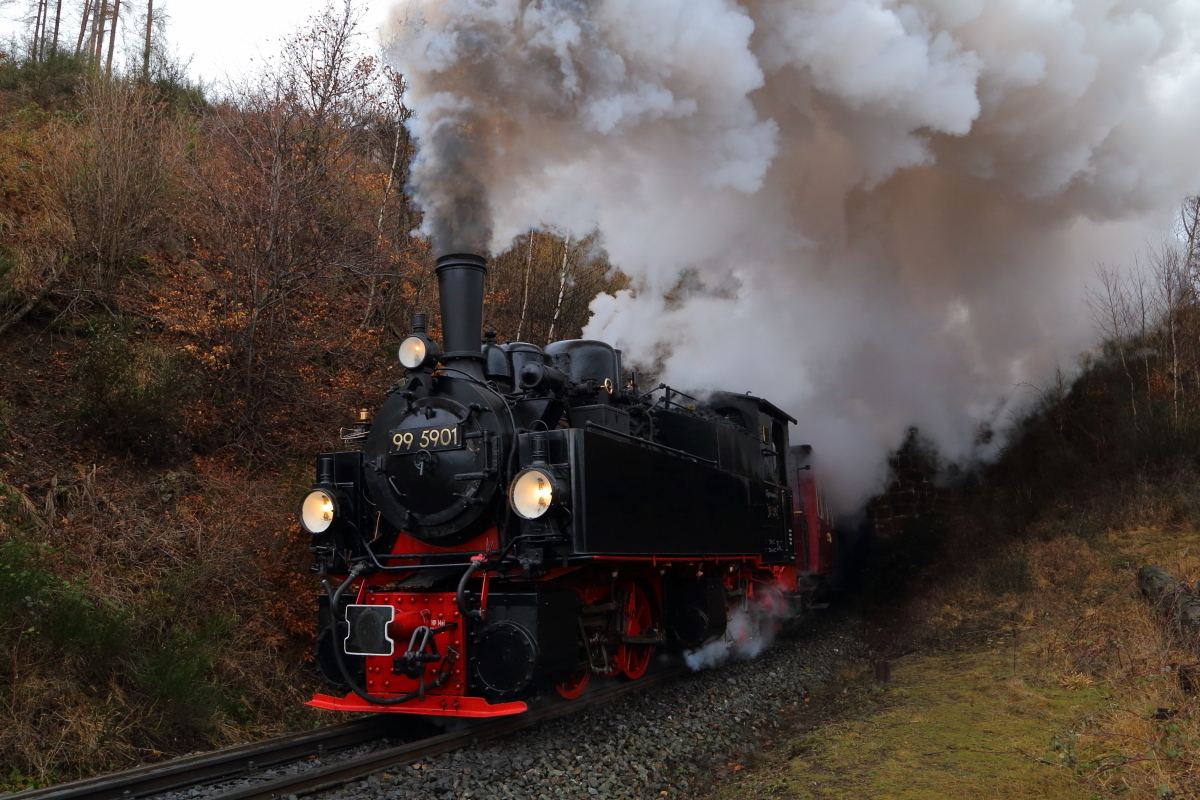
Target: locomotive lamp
(318,511)
(417,350)
(531,494)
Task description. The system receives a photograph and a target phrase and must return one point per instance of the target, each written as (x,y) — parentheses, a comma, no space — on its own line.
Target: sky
(223,38)
(227,37)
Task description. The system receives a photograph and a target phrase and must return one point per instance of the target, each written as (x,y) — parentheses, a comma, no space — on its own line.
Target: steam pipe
(461,596)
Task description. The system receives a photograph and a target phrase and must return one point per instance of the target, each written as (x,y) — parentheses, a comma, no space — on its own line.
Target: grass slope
(1059,685)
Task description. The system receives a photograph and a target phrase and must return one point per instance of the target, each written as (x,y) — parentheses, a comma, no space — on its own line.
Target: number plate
(431,439)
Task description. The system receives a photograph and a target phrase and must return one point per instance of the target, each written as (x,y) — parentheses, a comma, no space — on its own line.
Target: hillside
(197,291)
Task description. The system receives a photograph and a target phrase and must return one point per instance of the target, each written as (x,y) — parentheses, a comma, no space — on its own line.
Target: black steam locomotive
(519,518)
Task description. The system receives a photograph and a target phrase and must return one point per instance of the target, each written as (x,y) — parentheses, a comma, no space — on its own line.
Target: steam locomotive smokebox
(527,639)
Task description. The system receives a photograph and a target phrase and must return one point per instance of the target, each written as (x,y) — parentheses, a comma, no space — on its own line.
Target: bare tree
(1113,314)
(98,29)
(106,173)
(525,294)
(44,43)
(394,114)
(84,17)
(541,306)
(1189,223)
(57,20)
(1150,319)
(39,25)
(562,288)
(112,37)
(283,214)
(149,40)
(110,174)
(1173,290)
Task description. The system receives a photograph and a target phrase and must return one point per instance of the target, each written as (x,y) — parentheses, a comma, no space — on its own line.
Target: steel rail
(242,761)
(211,767)
(331,776)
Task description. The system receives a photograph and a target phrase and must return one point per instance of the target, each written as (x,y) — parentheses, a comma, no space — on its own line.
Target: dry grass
(1026,667)
(950,724)
(144,622)
(1085,627)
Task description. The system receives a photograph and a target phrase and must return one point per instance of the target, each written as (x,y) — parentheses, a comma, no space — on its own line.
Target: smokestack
(460,286)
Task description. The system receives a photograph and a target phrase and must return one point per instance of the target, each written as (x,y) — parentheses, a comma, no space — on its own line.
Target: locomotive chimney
(460,286)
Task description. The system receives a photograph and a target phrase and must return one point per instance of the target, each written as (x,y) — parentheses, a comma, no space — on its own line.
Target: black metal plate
(367,633)
(639,500)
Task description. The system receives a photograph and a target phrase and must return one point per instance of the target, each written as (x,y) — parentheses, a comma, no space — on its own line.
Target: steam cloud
(884,213)
(747,634)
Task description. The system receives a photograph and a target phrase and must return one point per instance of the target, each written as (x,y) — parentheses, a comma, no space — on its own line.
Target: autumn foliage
(194,295)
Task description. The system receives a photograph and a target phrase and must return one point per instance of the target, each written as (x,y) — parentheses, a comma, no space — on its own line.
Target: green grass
(973,724)
(954,725)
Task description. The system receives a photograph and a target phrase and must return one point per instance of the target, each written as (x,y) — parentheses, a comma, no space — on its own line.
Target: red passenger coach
(816,552)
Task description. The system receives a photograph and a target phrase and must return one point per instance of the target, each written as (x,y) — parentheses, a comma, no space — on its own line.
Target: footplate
(432,705)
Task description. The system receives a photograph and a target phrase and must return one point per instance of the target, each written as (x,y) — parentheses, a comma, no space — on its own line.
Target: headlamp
(413,352)
(531,494)
(317,511)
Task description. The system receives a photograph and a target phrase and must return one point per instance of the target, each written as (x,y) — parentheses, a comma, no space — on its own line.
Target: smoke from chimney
(897,204)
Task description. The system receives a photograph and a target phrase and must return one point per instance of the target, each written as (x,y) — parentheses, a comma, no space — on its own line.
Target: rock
(1176,603)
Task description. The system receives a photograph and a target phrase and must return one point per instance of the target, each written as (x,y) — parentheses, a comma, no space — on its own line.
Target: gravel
(660,742)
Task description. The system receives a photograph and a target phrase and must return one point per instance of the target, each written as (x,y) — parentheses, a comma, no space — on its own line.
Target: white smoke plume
(886,211)
(747,633)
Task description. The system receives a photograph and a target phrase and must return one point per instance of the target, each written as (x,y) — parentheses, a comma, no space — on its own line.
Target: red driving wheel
(632,659)
(573,686)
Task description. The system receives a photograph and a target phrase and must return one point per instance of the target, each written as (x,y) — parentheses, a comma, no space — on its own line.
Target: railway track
(241,763)
(228,763)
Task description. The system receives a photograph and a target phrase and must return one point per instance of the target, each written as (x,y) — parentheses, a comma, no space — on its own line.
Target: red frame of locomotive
(441,687)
